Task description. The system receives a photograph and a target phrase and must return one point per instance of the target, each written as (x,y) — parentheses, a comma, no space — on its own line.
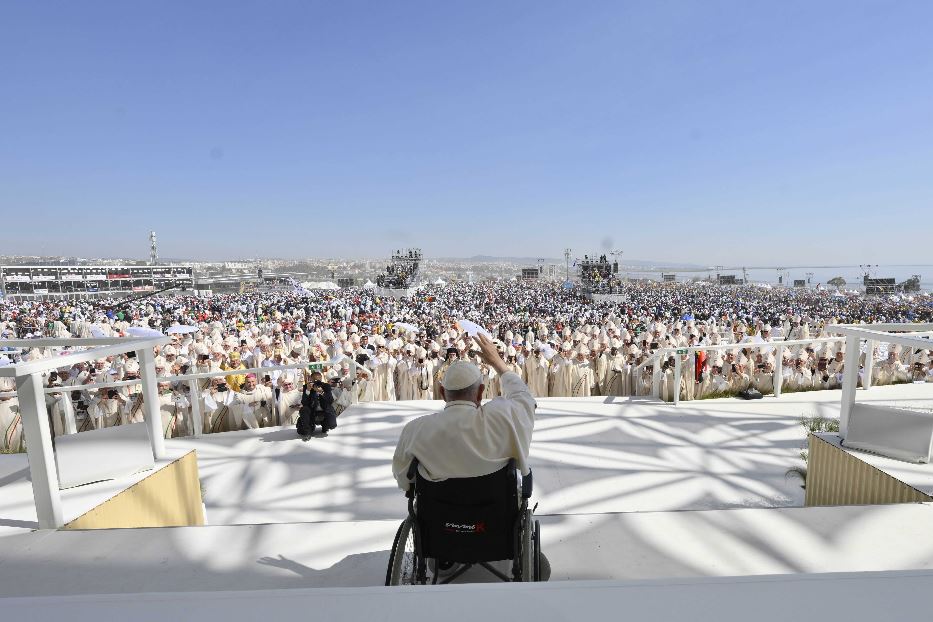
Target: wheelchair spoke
(407,574)
(402,563)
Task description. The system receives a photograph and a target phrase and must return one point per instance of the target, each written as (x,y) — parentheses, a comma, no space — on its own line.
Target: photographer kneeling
(317,404)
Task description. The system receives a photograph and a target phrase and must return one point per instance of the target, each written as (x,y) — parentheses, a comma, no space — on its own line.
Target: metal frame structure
(921,336)
(30,393)
(31,396)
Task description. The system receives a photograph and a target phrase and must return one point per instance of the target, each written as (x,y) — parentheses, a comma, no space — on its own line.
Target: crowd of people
(369,348)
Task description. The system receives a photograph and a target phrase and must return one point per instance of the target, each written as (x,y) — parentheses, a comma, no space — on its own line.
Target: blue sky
(296,129)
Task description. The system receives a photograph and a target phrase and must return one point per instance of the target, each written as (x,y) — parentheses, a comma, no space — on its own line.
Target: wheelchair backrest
(468,519)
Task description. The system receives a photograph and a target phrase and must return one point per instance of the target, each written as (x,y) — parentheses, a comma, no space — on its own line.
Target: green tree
(837,281)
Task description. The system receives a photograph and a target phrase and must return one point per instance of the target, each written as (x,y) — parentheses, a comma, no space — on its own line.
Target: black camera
(262,403)
(222,388)
(111,394)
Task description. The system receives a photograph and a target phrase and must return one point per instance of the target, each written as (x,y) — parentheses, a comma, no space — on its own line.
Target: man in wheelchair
(465,473)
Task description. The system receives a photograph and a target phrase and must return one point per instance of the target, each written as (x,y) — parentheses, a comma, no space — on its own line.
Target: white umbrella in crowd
(180,329)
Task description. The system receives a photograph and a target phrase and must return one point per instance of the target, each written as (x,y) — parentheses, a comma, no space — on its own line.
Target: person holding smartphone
(108,408)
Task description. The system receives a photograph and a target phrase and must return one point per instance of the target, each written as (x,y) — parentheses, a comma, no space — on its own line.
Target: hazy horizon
(802,130)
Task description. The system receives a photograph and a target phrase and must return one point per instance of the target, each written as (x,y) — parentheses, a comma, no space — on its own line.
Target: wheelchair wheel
(401,570)
(528,557)
(537,551)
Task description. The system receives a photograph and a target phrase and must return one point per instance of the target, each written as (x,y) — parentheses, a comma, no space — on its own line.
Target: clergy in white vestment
(615,381)
(219,407)
(584,374)
(421,375)
(257,400)
(108,408)
(562,373)
(536,373)
(404,381)
(11,421)
(363,387)
(289,403)
(173,409)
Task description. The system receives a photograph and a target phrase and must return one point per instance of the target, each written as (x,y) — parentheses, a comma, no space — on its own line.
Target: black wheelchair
(466,521)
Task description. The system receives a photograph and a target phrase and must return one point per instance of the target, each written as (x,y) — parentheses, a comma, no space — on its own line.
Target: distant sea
(820,275)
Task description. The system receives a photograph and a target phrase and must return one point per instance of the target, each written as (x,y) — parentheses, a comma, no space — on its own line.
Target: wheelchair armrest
(527,485)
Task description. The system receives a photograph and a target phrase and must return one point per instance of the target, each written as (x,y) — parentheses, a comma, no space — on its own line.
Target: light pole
(567,252)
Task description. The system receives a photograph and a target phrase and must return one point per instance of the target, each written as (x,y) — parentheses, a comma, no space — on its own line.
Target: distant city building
(31,282)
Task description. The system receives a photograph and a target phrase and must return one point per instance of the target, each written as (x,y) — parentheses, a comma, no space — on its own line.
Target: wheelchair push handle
(527,485)
(412,478)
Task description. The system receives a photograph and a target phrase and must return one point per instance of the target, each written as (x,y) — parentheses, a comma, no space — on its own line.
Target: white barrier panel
(892,432)
(108,453)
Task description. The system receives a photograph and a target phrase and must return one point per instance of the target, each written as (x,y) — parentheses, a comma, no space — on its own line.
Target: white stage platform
(645,545)
(589,455)
(286,513)
(860,597)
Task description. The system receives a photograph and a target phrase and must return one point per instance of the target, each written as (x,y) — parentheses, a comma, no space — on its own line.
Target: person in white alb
(469,438)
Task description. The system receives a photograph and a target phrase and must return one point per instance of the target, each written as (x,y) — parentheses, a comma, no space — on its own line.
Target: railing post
(778,370)
(849,382)
(42,469)
(150,389)
(678,371)
(869,363)
(69,425)
(656,378)
(194,396)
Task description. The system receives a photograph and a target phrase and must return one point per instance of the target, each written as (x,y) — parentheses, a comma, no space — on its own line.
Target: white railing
(872,333)
(920,336)
(31,396)
(777,346)
(69,423)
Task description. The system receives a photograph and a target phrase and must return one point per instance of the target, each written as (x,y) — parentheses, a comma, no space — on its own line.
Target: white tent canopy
(319,285)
